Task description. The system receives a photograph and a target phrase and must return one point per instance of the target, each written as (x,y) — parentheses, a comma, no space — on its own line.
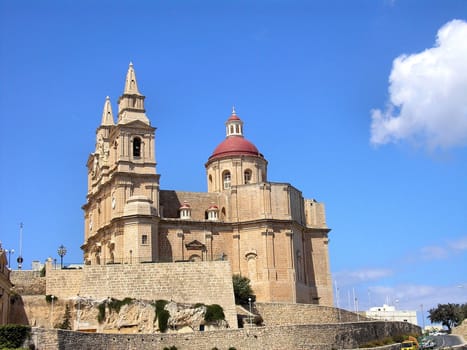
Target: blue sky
(359,104)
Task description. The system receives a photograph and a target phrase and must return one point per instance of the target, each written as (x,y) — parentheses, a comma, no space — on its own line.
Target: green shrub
(116,305)
(163,320)
(214,312)
(66,324)
(162,315)
(101,313)
(399,338)
(242,289)
(113,305)
(13,335)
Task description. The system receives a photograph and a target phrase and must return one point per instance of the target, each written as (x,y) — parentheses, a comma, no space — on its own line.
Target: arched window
(226,178)
(136,147)
(195,258)
(247,176)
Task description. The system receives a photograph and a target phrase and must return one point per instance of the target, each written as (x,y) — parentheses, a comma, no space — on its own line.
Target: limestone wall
(193,282)
(28,282)
(300,337)
(275,314)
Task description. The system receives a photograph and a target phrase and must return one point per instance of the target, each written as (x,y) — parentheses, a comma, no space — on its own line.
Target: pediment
(195,245)
(137,124)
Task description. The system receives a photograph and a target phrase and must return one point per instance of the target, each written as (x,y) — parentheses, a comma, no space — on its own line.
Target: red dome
(233,117)
(235,146)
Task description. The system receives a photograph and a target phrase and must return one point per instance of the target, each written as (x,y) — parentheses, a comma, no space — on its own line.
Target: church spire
(131,103)
(107,115)
(131,87)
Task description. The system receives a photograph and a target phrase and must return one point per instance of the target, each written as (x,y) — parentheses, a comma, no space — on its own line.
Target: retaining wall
(300,337)
(28,282)
(280,314)
(189,282)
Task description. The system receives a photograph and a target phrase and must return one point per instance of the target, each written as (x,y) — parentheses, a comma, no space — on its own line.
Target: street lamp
(61,253)
(52,313)
(9,252)
(78,314)
(249,316)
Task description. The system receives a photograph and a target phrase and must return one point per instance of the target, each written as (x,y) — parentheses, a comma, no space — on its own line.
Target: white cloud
(345,278)
(434,252)
(459,245)
(428,94)
(444,250)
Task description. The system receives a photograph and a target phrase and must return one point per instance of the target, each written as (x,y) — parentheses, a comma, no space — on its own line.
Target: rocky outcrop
(461,330)
(130,316)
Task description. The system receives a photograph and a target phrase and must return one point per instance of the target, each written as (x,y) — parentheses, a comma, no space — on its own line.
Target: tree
(242,289)
(449,315)
(66,324)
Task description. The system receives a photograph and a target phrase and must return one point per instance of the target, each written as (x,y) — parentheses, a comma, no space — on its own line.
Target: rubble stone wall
(276,314)
(301,337)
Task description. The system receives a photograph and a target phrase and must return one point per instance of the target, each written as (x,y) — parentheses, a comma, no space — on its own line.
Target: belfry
(266,230)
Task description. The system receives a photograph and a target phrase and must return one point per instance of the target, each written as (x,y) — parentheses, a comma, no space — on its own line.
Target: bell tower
(122,208)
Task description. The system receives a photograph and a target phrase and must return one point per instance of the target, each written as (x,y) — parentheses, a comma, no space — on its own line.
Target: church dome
(235,146)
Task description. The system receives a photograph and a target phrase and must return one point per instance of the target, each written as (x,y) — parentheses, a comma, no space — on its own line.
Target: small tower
(185,211)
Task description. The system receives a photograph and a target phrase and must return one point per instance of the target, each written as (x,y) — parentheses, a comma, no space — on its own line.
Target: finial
(131,64)
(233,111)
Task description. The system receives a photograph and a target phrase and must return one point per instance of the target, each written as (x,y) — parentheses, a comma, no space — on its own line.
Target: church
(266,230)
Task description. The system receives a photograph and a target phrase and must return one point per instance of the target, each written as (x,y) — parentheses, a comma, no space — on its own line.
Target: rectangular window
(144,239)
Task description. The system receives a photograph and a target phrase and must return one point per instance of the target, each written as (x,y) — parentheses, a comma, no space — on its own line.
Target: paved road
(448,340)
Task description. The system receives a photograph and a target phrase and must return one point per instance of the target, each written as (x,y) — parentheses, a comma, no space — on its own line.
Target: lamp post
(78,313)
(52,313)
(423,317)
(9,251)
(249,316)
(61,253)
(20,259)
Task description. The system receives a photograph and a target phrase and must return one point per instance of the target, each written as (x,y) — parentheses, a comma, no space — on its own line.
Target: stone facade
(5,287)
(267,230)
(300,337)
